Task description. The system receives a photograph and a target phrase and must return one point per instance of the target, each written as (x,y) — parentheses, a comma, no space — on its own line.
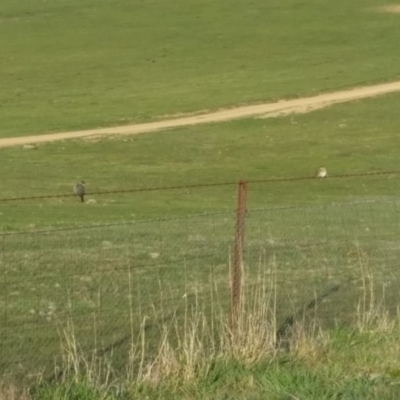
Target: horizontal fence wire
(109,282)
(201,185)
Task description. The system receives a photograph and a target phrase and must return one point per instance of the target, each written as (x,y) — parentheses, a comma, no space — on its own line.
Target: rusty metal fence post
(236,285)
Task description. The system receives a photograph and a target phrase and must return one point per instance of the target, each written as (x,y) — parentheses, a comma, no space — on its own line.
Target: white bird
(79,190)
(322,173)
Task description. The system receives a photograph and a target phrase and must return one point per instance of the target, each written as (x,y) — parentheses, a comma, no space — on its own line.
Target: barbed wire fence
(202,185)
(107,279)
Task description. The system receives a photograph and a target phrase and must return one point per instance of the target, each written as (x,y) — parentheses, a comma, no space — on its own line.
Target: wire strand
(200,186)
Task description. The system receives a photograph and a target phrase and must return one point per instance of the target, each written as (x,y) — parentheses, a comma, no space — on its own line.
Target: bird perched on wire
(79,190)
(322,172)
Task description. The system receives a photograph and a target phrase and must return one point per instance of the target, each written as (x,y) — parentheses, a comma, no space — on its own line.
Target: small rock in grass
(30,147)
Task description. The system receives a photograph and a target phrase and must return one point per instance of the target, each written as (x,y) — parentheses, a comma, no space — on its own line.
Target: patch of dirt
(94,138)
(269,110)
(295,110)
(393,8)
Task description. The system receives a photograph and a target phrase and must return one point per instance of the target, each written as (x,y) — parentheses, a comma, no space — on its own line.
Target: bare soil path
(269,110)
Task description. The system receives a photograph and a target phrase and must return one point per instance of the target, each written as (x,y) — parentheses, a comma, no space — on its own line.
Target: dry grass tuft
(371,313)
(12,393)
(191,341)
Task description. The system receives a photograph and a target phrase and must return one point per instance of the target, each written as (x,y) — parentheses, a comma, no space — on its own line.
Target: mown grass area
(352,138)
(76,64)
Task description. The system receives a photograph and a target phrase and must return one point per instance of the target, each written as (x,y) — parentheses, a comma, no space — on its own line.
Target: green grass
(339,364)
(71,391)
(83,63)
(107,280)
(352,138)
(74,65)
(84,274)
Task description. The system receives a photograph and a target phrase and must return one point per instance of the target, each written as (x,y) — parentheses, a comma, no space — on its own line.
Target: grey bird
(79,190)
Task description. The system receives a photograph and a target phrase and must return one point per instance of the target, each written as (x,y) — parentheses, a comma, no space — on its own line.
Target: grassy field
(337,364)
(351,138)
(89,268)
(82,63)
(338,374)
(74,65)
(108,280)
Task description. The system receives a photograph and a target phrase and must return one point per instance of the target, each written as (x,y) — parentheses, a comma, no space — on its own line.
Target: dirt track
(269,110)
